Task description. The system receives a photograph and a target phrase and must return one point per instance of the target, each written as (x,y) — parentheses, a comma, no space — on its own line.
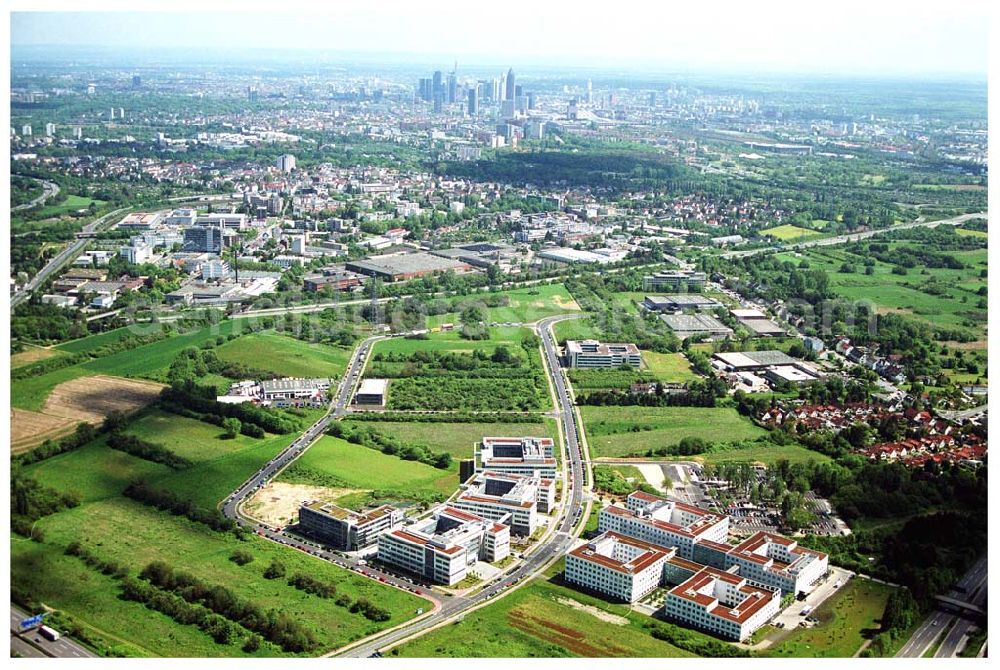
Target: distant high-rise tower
(112,113)
(590,92)
(26,131)
(251,94)
(452,87)
(473,101)
(136,81)
(121,112)
(286,163)
(91,88)
(438,83)
(50,129)
(531,100)
(78,133)
(511,86)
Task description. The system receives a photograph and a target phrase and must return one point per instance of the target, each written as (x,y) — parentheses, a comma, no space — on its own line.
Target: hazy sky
(839,36)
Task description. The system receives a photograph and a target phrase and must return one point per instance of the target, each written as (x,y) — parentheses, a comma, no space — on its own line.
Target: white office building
(528,456)
(514,498)
(591,354)
(668,523)
(443,547)
(618,567)
(722,604)
(286,163)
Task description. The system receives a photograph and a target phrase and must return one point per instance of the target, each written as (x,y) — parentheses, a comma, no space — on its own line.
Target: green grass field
(901,293)
(536,622)
(965,232)
(620,431)
(458,438)
(91,342)
(357,467)
(149,361)
(575,329)
(767,453)
(73,203)
(843,618)
(527,305)
(788,232)
(286,356)
(669,367)
(133,534)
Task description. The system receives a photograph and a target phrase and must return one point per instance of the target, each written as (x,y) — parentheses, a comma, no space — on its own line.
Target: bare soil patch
(277,504)
(30,355)
(29,429)
(606,617)
(93,398)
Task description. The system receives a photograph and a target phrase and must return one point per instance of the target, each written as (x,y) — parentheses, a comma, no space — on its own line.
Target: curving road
(49,189)
(444,608)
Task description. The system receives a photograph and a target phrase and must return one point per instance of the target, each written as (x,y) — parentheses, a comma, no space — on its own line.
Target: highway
(62,258)
(554,544)
(854,237)
(924,637)
(32,644)
(49,190)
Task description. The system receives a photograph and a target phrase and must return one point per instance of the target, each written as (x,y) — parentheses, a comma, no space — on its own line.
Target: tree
(241,557)
(232,426)
(275,571)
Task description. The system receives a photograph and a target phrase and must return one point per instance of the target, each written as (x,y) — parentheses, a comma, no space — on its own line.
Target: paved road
(974,583)
(450,606)
(62,258)
(64,647)
(854,237)
(962,415)
(49,190)
(557,542)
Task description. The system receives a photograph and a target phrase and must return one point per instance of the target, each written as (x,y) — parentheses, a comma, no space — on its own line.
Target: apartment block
(443,547)
(345,529)
(527,456)
(591,354)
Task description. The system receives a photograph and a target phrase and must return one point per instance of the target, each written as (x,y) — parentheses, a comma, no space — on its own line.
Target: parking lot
(792,615)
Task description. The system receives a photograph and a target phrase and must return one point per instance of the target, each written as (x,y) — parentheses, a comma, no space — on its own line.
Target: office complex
(528,456)
(344,529)
(618,567)
(665,522)
(443,547)
(591,354)
(678,280)
(722,603)
(513,499)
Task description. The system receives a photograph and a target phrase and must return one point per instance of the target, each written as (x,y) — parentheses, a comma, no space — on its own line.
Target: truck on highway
(49,634)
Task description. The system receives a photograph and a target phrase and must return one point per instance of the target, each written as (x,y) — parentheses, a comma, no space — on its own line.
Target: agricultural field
(445,373)
(88,399)
(336,463)
(526,305)
(843,620)
(544,620)
(622,431)
(150,361)
(788,233)
(285,356)
(458,438)
(91,342)
(952,302)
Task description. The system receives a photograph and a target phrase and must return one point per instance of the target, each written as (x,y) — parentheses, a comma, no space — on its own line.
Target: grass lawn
(620,431)
(789,232)
(766,452)
(285,356)
(846,620)
(527,305)
(357,467)
(669,367)
(534,621)
(458,438)
(965,232)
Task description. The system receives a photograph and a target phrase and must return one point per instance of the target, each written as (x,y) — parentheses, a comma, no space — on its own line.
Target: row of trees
(166,500)
(370,437)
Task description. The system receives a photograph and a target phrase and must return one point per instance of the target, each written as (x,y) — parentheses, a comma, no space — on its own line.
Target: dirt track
(277,504)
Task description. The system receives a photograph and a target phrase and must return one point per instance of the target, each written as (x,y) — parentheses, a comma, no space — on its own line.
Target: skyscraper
(511,90)
(251,94)
(136,81)
(473,101)
(438,83)
(452,87)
